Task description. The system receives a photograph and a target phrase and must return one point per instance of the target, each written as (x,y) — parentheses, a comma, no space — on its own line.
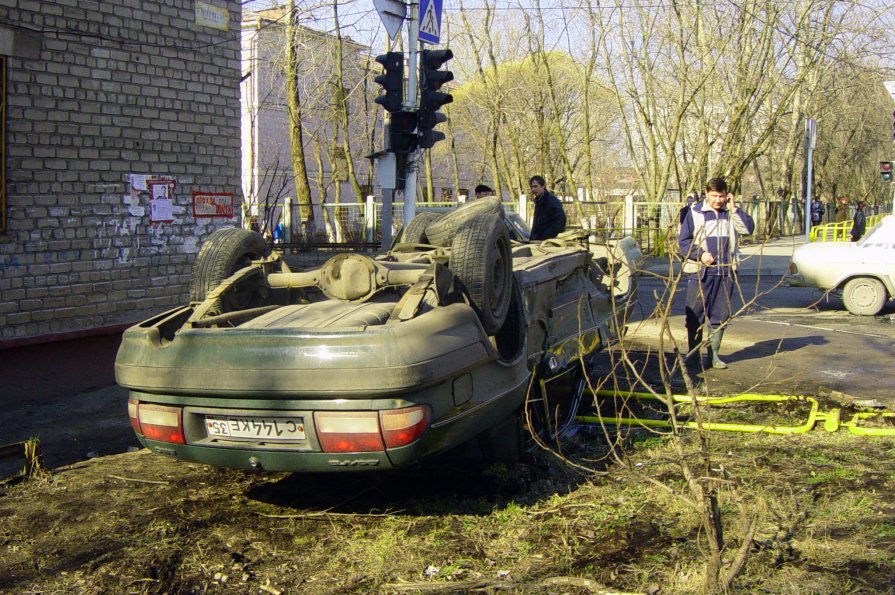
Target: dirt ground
(579,522)
(142,523)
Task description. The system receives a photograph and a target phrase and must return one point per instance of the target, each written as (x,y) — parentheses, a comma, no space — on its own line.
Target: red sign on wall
(212,204)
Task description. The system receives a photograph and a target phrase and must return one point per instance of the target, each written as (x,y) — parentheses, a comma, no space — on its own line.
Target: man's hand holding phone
(731,203)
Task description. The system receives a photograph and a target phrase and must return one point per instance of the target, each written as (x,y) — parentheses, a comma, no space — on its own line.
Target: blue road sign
(430,21)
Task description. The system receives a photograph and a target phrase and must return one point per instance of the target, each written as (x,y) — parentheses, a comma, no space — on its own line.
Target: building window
(2,144)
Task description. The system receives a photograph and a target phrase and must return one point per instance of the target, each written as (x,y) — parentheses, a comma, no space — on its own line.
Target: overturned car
(371,362)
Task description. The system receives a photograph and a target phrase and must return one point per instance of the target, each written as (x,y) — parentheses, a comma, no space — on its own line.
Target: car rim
(864,295)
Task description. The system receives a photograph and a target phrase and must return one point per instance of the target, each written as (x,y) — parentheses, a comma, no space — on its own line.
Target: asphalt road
(786,341)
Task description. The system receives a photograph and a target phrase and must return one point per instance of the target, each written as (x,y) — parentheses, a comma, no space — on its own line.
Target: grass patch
(833,475)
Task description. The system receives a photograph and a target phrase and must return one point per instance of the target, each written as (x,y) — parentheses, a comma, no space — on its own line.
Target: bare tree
(296,126)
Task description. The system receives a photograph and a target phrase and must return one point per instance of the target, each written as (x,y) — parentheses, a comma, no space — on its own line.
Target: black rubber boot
(715,349)
(694,342)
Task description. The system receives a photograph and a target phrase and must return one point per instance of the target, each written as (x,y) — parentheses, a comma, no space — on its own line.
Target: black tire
(415,232)
(864,296)
(224,252)
(482,262)
(442,232)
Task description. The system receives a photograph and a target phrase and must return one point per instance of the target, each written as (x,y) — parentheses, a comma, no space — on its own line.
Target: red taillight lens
(158,422)
(369,431)
(402,426)
(132,414)
(348,431)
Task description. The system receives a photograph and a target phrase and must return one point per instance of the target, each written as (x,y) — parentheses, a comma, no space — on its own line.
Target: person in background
(841,209)
(708,243)
(279,232)
(817,211)
(691,198)
(858,227)
(483,190)
(549,218)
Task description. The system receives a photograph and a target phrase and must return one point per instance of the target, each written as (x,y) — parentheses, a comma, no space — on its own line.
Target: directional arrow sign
(430,21)
(392,13)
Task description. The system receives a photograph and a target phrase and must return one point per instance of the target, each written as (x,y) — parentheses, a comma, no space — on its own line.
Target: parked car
(370,362)
(864,271)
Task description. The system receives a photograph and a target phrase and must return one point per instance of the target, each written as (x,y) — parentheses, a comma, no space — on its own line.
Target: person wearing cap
(483,190)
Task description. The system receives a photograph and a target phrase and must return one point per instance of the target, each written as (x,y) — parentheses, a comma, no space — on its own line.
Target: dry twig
(152,481)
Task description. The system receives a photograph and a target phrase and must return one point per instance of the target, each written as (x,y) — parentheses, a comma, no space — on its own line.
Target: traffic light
(392,81)
(885,170)
(431,99)
(402,137)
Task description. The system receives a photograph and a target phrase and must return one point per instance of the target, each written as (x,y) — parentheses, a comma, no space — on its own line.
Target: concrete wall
(113,89)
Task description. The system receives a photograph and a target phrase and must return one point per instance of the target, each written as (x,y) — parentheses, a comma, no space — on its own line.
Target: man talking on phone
(708,243)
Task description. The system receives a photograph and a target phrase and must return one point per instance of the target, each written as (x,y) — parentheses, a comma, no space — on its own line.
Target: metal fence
(839,232)
(357,226)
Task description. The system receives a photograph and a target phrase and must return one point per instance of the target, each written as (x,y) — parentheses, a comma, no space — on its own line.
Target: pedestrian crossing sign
(430,21)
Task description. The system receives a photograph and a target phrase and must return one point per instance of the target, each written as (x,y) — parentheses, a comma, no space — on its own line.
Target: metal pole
(808,199)
(410,167)
(385,225)
(810,140)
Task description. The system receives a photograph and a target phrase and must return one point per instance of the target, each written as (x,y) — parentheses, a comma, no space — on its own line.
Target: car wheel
(864,296)
(415,232)
(442,232)
(223,253)
(482,262)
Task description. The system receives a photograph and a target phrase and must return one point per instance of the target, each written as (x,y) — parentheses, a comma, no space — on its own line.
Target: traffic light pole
(410,166)
(810,143)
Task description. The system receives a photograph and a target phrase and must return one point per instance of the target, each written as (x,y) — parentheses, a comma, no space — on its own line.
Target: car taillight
(348,431)
(402,426)
(369,431)
(159,422)
(132,414)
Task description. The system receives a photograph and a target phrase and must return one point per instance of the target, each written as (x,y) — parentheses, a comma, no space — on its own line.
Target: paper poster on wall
(140,191)
(160,210)
(212,204)
(161,193)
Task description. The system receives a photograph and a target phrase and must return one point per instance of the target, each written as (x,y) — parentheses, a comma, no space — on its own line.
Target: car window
(517,224)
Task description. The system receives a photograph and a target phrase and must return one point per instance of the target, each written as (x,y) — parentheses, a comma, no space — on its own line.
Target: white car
(864,270)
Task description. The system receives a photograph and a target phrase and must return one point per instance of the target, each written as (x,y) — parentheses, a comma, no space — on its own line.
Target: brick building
(104,104)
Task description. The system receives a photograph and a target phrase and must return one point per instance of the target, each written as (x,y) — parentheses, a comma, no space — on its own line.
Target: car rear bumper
(450,426)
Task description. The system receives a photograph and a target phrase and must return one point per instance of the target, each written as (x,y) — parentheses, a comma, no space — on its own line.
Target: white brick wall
(121,87)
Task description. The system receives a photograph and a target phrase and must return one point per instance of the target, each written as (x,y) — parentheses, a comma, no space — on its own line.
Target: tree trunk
(293,108)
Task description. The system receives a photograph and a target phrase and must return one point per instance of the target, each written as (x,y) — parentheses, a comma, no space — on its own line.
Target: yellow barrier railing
(830,419)
(839,232)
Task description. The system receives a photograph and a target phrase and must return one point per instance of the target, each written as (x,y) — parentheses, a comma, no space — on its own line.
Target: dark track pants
(708,299)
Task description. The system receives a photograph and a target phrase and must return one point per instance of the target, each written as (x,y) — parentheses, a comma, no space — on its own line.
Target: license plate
(255,428)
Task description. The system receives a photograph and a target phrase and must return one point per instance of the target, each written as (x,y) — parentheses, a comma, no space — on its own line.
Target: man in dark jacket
(817,211)
(860,222)
(549,218)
